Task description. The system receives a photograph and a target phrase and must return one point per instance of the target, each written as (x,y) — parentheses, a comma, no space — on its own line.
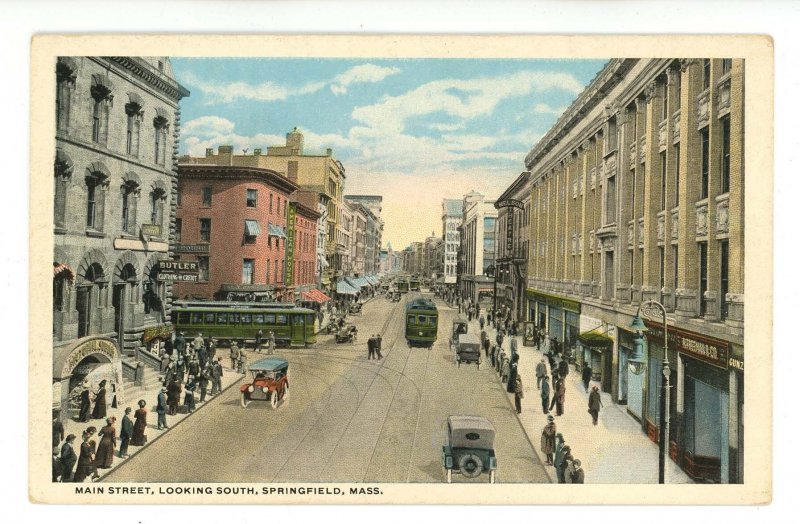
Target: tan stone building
(638,194)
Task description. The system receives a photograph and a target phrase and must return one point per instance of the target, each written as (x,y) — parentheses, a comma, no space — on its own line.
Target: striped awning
(251,228)
(343,288)
(276,231)
(315,295)
(357,282)
(63,270)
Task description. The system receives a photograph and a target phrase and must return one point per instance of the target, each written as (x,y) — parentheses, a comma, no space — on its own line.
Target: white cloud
(447,127)
(230,92)
(363,73)
(464,99)
(549,110)
(207,126)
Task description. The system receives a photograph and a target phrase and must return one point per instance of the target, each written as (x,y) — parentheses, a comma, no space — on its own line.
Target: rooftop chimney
(209,151)
(257,151)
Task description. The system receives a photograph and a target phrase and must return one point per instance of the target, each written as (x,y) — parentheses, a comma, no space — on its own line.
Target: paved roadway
(347,419)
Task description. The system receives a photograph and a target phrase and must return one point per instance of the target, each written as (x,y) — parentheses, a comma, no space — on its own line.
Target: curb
(162,433)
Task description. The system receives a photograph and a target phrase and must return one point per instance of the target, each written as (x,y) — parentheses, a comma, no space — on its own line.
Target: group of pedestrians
(374,347)
(559,455)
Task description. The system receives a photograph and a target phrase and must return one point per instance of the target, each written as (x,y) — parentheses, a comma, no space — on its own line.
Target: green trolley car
(241,321)
(422,321)
(402,286)
(414,284)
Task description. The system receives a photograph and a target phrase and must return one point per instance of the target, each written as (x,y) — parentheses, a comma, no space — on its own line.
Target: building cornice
(144,71)
(268,176)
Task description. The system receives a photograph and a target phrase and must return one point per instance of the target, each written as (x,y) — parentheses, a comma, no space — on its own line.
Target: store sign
(510,202)
(98,345)
(151,230)
(554,301)
(510,232)
(710,350)
(191,248)
(162,331)
(174,271)
(288,272)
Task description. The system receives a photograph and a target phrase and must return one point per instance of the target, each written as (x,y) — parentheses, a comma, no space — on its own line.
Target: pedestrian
(518,394)
(99,411)
(558,462)
(56,463)
(180,366)
(545,394)
(500,337)
(494,356)
(553,368)
(201,357)
(211,352)
(67,458)
(513,345)
(469,313)
(541,373)
(203,383)
(164,361)
(482,321)
(561,391)
(86,457)
(188,399)
(174,390)
(576,475)
(138,438)
(563,367)
(161,409)
(512,373)
(217,387)
(371,347)
(489,316)
(378,341)
(320,318)
(486,345)
(595,404)
(259,336)
(58,428)
(193,369)
(104,458)
(548,441)
(556,381)
(180,343)
(271,339)
(242,364)
(586,375)
(234,354)
(125,434)
(198,342)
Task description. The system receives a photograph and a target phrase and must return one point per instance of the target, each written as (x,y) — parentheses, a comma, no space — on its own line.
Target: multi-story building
(432,264)
(345,231)
(117,126)
(452,216)
(511,266)
(373,203)
(301,252)
(318,202)
(232,221)
(638,195)
(477,234)
(358,247)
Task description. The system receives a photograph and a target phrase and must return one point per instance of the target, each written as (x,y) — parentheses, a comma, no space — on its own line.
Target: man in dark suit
(68,459)
(371,348)
(378,340)
(161,409)
(58,428)
(125,434)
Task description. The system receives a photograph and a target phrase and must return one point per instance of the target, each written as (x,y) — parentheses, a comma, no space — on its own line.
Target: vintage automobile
(470,447)
(355,309)
(270,381)
(347,333)
(468,349)
(460,327)
(396,296)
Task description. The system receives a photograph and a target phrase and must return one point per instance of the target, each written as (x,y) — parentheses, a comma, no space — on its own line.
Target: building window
(279,206)
(704,163)
(664,101)
(202,266)
(703,260)
(674,267)
(205,230)
(611,200)
(706,73)
(726,155)
(678,90)
(267,272)
(65,83)
(723,279)
(270,202)
(63,173)
(661,268)
(207,196)
(95,200)
(663,180)
(98,116)
(677,148)
(129,196)
(726,65)
(157,197)
(178,227)
(160,125)
(134,114)
(178,194)
(252,197)
(248,265)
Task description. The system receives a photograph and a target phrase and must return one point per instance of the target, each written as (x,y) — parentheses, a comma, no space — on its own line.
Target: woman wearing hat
(548,443)
(86,402)
(594,404)
(99,411)
(139,438)
(86,458)
(108,441)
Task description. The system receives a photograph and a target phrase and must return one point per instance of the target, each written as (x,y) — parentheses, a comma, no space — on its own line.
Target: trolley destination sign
(175,271)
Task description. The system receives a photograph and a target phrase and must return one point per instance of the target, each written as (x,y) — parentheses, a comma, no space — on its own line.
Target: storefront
(86,361)
(595,349)
(560,317)
(631,380)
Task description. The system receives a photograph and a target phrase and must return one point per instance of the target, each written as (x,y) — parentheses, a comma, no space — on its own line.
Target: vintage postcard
(401,269)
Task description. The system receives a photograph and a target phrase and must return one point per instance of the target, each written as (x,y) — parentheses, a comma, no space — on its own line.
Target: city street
(347,418)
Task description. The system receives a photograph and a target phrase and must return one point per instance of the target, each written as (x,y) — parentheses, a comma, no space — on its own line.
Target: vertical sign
(510,231)
(289,269)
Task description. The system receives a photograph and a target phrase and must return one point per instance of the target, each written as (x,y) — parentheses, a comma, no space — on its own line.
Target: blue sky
(415,131)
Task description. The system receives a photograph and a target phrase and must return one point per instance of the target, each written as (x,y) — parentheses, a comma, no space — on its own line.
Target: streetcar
(241,321)
(422,321)
(413,284)
(402,286)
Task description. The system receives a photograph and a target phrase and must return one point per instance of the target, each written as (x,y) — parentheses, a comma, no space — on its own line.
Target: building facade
(374,204)
(117,128)
(637,195)
(477,235)
(512,239)
(452,215)
(301,252)
(232,221)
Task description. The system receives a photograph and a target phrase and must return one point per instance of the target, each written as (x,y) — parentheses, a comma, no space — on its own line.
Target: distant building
(452,215)
(477,235)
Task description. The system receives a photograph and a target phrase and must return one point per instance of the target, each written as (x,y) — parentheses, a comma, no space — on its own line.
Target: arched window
(63,173)
(66,71)
(97,181)
(101,94)
(130,196)
(133,110)
(157,199)
(161,126)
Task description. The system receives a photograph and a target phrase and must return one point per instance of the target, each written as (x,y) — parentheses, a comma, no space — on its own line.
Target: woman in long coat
(561,392)
(139,438)
(548,444)
(86,403)
(594,404)
(86,457)
(108,441)
(99,411)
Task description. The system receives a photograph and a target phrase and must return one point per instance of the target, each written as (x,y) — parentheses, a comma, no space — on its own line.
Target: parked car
(468,349)
(346,333)
(469,449)
(460,327)
(269,381)
(396,296)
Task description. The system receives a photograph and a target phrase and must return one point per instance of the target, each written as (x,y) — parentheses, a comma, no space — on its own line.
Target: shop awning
(357,282)
(63,270)
(315,295)
(251,228)
(594,339)
(343,288)
(276,231)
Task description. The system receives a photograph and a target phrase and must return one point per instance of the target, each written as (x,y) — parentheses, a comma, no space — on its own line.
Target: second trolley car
(422,323)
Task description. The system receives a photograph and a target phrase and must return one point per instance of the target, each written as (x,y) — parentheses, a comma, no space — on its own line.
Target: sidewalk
(616,451)
(229,378)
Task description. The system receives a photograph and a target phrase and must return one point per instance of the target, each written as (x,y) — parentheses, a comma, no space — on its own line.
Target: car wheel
(479,365)
(273,399)
(448,475)
(492,476)
(244,400)
(470,465)
(285,391)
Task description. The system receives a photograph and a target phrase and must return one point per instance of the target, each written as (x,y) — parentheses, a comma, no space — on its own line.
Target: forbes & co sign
(175,271)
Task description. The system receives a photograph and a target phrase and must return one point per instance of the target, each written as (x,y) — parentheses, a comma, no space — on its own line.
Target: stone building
(117,127)
(477,234)
(511,265)
(452,215)
(637,195)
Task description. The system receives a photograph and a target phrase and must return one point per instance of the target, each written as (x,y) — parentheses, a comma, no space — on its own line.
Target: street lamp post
(650,309)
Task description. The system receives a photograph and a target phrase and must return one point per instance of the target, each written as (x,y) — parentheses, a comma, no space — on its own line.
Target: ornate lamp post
(636,362)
